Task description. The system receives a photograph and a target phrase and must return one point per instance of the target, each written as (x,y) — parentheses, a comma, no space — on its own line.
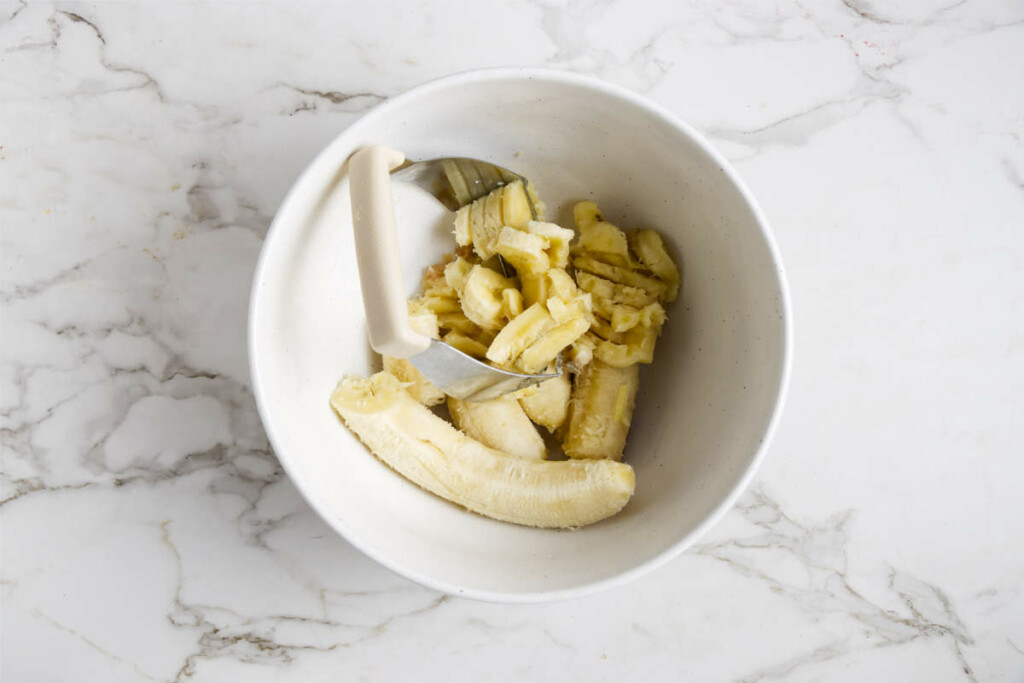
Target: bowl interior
(705,405)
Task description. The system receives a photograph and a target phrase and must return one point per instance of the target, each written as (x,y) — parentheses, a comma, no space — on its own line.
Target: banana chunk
(482,297)
(439,458)
(479,224)
(535,288)
(512,302)
(459,322)
(651,251)
(624,317)
(422,318)
(467,345)
(601,411)
(586,214)
(558,239)
(463,227)
(515,337)
(418,386)
(438,304)
(625,276)
(633,346)
(599,239)
(455,274)
(563,311)
(500,424)
(492,210)
(560,284)
(613,292)
(604,242)
(525,251)
(581,352)
(543,351)
(515,205)
(604,250)
(547,403)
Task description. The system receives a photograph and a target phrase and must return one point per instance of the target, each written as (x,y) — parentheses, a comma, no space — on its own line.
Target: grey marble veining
(150,534)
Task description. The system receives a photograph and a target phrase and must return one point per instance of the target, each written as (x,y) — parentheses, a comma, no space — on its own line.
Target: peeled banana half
(431,453)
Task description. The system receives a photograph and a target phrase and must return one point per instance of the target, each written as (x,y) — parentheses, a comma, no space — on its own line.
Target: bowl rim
(555,76)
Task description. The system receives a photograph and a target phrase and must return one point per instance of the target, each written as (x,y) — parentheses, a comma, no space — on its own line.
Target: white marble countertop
(148,531)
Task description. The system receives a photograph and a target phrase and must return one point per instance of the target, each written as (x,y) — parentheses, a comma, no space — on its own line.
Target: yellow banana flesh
(479,224)
(635,345)
(605,242)
(601,411)
(547,403)
(481,297)
(431,453)
(520,333)
(515,207)
(624,276)
(606,318)
(537,356)
(418,386)
(535,289)
(650,249)
(558,239)
(525,251)
(581,352)
(613,292)
(512,302)
(500,424)
(467,345)
(586,214)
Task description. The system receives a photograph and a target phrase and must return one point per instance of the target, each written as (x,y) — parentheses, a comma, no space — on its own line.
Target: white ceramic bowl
(706,408)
